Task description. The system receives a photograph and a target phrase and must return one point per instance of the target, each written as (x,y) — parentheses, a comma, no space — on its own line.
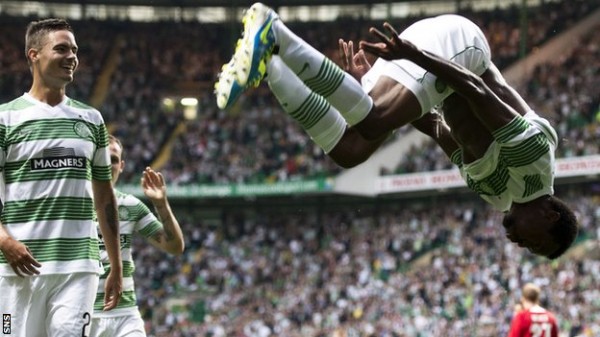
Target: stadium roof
(212,11)
(220,3)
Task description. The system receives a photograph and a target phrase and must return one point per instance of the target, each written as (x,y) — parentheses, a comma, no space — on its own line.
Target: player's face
(116,164)
(56,61)
(530,230)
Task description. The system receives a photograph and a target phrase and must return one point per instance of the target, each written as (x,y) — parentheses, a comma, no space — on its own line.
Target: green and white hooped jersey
(134,217)
(517,167)
(48,158)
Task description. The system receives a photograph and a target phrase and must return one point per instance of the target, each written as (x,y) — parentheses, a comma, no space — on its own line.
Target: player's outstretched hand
(19,257)
(356,64)
(390,48)
(153,184)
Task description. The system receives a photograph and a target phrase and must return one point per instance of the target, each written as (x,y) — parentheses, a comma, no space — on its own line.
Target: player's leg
(318,118)
(102,327)
(322,122)
(127,325)
(394,105)
(16,298)
(322,75)
(70,305)
(353,149)
(263,31)
(130,326)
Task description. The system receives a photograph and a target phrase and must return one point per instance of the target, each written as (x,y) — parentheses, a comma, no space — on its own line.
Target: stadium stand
(149,66)
(391,267)
(316,266)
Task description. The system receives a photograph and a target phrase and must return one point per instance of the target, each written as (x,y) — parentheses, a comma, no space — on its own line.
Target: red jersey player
(531,320)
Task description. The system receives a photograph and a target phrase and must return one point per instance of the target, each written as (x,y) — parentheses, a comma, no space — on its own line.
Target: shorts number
(87,317)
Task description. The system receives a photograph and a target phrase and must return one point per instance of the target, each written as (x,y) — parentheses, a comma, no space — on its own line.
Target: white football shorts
(57,305)
(130,325)
(450,36)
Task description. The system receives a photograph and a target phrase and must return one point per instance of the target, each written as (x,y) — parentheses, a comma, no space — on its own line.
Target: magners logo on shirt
(58,163)
(58,158)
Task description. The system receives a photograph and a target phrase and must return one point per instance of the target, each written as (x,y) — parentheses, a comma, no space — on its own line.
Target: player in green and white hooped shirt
(350,111)
(504,150)
(55,170)
(135,218)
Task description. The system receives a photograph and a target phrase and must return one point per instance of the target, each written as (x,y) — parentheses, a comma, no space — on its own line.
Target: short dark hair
(565,230)
(114,139)
(37,31)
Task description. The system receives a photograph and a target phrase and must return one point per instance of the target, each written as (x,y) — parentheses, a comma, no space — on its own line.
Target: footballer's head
(547,227)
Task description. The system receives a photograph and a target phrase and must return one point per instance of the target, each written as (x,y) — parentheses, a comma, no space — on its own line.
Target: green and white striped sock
(322,75)
(323,123)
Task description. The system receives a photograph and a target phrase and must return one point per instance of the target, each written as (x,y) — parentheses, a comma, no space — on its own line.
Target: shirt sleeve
(517,327)
(101,160)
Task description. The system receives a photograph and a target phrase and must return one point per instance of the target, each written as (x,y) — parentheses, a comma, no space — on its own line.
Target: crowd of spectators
(410,268)
(256,141)
(226,144)
(570,98)
(344,272)
(152,59)
(285,152)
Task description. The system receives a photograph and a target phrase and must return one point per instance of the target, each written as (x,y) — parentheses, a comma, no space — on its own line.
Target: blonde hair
(531,293)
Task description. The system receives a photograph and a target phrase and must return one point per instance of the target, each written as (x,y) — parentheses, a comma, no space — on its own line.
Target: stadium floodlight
(189,101)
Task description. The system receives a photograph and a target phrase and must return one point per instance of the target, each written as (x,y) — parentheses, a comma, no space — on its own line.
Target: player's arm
(17,254)
(108,221)
(170,237)
(433,125)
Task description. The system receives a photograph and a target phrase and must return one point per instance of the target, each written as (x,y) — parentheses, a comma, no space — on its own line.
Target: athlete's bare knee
(346,159)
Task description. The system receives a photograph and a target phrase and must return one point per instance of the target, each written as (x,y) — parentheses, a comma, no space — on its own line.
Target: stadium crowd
(256,141)
(290,155)
(376,272)
(410,269)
